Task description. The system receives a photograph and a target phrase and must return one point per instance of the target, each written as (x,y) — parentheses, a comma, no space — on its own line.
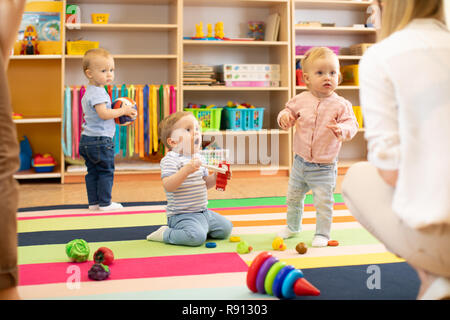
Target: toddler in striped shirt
(185,181)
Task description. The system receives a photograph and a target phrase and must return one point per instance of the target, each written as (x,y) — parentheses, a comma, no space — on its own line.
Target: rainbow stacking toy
(269,275)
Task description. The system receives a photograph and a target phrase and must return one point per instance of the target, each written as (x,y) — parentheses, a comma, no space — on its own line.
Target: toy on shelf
(30,41)
(218,29)
(100,18)
(199,30)
(278,244)
(256,30)
(16,116)
(209,27)
(73,14)
(268,275)
(25,154)
(43,163)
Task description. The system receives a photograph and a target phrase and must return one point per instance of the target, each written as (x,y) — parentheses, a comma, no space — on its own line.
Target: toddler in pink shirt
(322,120)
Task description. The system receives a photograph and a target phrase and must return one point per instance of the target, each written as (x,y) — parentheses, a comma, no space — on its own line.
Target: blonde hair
(314,54)
(397,14)
(165,127)
(97,52)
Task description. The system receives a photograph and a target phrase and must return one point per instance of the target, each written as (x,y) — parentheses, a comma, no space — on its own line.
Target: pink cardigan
(313,141)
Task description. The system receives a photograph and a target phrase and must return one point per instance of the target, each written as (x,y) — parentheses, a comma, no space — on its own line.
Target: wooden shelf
(133,56)
(338,88)
(340,57)
(38,120)
(149,2)
(120,27)
(234,43)
(35,57)
(31,174)
(326,4)
(246,132)
(335,30)
(240,3)
(224,88)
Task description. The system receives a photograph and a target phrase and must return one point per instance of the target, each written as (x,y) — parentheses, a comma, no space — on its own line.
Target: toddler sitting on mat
(189,222)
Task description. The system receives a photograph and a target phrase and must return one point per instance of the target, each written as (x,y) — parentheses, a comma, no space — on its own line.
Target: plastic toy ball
(77,250)
(243,247)
(119,103)
(268,275)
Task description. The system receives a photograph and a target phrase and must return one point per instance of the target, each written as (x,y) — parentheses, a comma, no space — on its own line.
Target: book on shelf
(272,27)
(198,74)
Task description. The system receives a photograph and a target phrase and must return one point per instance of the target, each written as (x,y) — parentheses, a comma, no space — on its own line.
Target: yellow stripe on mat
(343,260)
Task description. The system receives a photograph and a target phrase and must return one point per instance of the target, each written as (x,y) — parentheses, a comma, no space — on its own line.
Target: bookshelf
(246,147)
(145,38)
(344,14)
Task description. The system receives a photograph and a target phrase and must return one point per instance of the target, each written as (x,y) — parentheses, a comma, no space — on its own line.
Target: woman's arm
(10,16)
(379,106)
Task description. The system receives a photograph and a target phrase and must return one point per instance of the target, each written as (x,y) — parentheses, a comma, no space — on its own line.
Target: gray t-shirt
(94,126)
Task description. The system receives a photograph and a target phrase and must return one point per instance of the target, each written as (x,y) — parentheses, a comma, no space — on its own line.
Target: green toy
(77,250)
(243,247)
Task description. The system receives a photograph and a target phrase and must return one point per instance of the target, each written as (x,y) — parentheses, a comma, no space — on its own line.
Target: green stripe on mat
(144,248)
(264,201)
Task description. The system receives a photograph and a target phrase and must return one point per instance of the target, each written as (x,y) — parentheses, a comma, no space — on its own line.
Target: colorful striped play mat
(152,270)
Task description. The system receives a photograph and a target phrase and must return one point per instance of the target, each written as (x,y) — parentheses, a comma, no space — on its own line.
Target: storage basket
(350,75)
(242,119)
(213,157)
(209,118)
(358,115)
(80,47)
(359,49)
(301,50)
(100,18)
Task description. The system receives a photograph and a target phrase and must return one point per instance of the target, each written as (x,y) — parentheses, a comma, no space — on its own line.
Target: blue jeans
(192,229)
(98,153)
(321,179)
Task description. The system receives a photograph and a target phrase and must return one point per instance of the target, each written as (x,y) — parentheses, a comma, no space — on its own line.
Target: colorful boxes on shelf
(249,75)
(238,119)
(209,117)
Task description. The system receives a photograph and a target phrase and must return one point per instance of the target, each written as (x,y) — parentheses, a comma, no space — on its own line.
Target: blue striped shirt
(191,196)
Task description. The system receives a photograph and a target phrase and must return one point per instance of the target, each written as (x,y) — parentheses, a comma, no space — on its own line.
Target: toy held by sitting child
(189,222)
(322,120)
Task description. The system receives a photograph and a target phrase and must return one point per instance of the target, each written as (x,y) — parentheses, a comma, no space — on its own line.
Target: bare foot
(9,294)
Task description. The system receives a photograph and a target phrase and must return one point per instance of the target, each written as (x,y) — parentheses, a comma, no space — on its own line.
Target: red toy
(222,178)
(104,256)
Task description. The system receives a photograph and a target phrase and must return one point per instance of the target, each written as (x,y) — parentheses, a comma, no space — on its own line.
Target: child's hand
(336,130)
(287,120)
(192,166)
(129,111)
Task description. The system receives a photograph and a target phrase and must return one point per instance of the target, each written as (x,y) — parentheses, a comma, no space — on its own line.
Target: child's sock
(93,207)
(112,206)
(286,233)
(320,241)
(158,234)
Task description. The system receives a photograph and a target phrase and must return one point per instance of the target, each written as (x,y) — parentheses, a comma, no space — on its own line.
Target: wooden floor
(37,193)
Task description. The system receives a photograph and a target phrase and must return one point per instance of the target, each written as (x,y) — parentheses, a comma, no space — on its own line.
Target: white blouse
(405,98)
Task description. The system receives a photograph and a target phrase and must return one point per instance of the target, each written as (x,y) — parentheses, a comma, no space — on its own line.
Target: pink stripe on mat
(182,265)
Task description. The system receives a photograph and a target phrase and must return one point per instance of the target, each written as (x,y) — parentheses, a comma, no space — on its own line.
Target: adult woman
(402,194)
(10,16)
